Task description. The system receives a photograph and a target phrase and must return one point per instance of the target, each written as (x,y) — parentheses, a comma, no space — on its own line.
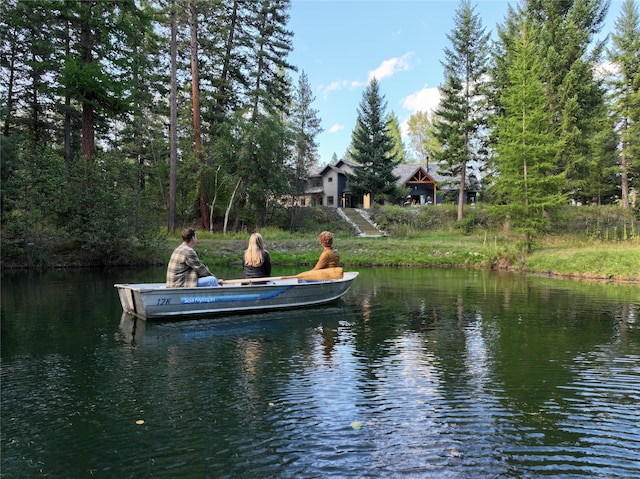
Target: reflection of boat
(131,329)
(154,300)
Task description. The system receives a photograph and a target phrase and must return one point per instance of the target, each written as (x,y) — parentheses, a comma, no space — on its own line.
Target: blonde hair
(326,239)
(253,254)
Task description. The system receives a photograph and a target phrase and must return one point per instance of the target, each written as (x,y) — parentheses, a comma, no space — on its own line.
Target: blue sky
(340,44)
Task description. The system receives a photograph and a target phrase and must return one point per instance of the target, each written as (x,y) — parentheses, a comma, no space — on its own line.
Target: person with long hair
(329,257)
(256,262)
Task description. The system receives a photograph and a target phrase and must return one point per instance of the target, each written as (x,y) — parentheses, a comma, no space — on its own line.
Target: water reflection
(449,374)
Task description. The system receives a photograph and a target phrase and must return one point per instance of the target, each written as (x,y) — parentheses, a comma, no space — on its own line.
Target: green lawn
(564,255)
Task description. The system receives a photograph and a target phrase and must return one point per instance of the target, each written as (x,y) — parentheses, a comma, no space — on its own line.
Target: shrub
(608,223)
(315,219)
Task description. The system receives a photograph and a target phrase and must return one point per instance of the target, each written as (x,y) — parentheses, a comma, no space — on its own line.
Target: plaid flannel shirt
(185,268)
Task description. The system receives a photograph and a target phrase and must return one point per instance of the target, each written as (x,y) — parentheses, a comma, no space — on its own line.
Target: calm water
(414,374)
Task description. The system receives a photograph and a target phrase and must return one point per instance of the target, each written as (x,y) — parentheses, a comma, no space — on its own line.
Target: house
(328,186)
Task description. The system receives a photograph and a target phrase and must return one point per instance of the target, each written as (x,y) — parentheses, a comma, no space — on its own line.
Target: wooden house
(329,186)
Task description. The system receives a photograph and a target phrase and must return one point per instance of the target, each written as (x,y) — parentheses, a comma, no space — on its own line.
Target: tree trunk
(213,201)
(88,132)
(624,177)
(173,125)
(226,213)
(12,56)
(461,195)
(195,95)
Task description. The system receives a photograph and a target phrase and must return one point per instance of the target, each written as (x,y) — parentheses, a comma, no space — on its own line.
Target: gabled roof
(323,170)
(406,171)
(352,164)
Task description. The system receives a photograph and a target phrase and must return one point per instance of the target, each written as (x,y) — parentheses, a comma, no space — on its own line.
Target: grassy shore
(558,255)
(596,242)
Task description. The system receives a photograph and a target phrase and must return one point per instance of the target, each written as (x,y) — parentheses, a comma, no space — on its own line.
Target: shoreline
(609,262)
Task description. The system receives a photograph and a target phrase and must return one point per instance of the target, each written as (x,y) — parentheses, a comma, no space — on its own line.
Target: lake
(415,373)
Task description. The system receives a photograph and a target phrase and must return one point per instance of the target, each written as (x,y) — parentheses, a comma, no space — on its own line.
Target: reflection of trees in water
(515,329)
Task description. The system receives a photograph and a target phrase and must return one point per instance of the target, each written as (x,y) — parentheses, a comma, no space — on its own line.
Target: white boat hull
(155,300)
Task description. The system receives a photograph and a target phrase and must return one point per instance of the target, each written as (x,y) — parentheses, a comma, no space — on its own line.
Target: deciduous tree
(422,138)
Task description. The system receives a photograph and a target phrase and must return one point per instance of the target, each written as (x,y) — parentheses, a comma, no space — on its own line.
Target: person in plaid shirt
(185,268)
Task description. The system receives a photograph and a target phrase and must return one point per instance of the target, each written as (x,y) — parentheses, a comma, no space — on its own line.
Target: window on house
(330,179)
(329,200)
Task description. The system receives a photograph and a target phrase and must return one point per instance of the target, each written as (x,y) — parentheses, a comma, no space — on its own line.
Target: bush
(477,218)
(598,222)
(315,219)
(408,221)
(110,221)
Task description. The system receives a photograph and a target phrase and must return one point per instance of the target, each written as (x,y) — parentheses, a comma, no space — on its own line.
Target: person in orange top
(329,257)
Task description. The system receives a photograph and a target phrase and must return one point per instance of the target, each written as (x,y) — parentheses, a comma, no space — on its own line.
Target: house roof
(405,171)
(322,170)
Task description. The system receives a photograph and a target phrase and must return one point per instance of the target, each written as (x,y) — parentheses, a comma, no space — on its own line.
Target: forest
(123,120)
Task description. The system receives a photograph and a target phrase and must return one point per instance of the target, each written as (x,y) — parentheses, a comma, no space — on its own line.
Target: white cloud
(426,100)
(386,69)
(324,90)
(336,128)
(391,66)
(604,70)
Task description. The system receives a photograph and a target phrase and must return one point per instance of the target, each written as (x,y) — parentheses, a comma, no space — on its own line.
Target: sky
(341,44)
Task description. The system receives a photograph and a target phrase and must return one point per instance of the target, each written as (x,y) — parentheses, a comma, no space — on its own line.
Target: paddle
(313,275)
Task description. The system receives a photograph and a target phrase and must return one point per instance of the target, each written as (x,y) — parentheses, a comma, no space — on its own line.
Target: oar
(312,275)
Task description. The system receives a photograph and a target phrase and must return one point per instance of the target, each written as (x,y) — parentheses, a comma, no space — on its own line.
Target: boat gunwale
(152,287)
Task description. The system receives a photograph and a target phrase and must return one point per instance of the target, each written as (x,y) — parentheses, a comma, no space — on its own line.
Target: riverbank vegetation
(589,242)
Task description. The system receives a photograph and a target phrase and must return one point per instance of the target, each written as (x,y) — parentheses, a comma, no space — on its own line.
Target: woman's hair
(326,239)
(253,254)
(187,234)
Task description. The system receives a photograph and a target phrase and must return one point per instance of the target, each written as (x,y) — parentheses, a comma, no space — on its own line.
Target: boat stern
(131,300)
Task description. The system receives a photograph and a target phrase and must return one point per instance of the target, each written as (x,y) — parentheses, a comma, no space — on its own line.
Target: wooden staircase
(359,220)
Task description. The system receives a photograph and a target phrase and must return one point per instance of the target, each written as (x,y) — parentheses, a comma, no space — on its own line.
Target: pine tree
(462,111)
(265,140)
(567,58)
(373,148)
(306,126)
(526,190)
(625,56)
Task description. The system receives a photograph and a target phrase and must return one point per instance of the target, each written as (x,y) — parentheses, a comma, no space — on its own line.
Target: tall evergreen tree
(372,147)
(567,57)
(306,126)
(462,112)
(625,56)
(97,71)
(526,189)
(602,184)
